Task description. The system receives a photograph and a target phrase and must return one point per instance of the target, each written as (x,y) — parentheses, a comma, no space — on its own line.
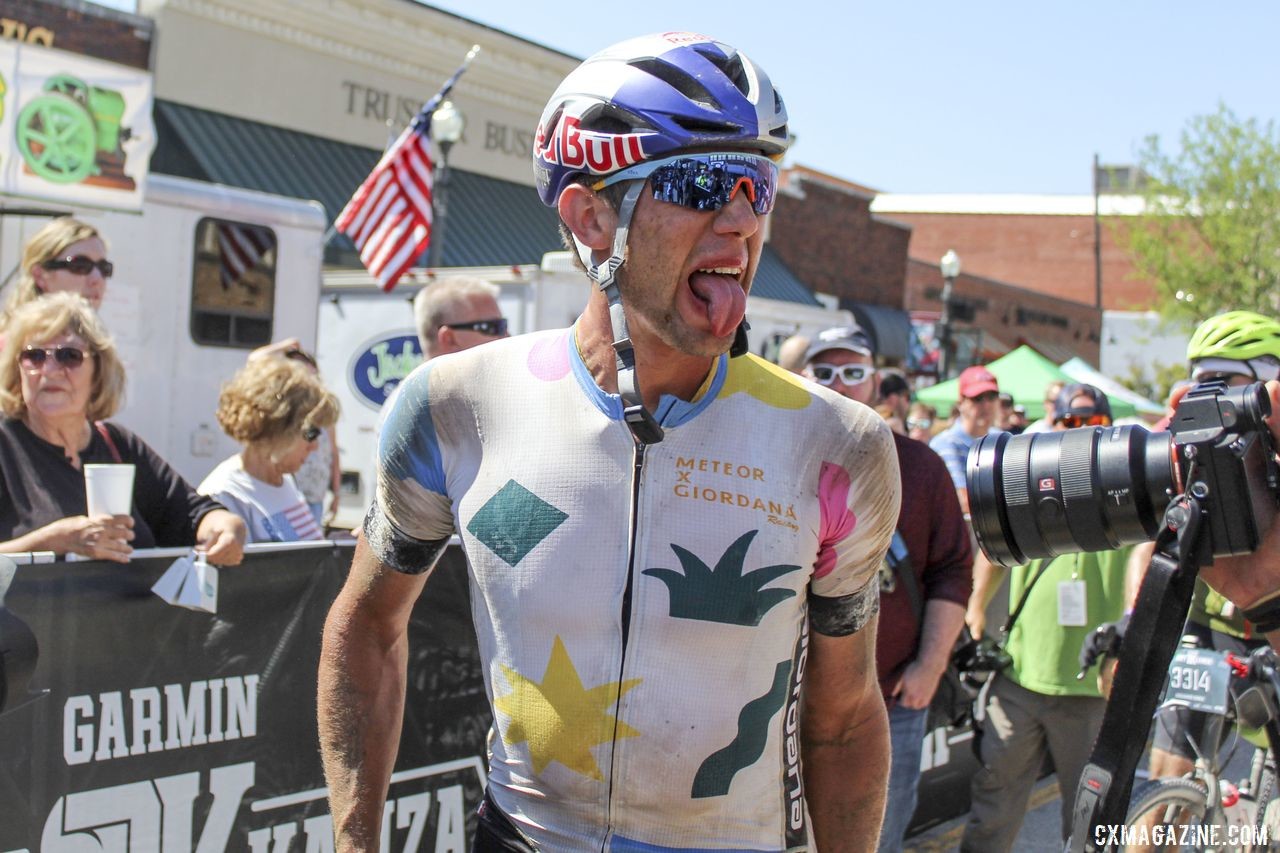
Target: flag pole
(332,231)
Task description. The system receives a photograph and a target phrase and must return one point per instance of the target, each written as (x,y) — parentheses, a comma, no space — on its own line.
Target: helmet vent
(678,79)
(612,119)
(731,66)
(708,128)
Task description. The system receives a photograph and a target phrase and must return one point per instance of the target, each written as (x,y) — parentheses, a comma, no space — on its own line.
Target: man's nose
(738,216)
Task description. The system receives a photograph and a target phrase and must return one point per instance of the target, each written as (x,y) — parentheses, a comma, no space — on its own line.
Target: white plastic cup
(108,488)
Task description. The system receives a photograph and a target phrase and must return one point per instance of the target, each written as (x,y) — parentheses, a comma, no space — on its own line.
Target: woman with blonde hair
(60,377)
(276,409)
(65,255)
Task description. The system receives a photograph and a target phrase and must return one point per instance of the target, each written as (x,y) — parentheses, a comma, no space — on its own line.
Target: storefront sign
(73,129)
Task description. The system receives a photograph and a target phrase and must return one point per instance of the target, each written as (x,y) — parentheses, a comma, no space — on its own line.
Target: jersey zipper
(637,471)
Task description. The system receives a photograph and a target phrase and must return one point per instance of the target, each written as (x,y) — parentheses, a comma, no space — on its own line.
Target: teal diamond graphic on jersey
(514,521)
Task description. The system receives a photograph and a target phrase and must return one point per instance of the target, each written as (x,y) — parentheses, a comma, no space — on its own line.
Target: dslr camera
(1101,488)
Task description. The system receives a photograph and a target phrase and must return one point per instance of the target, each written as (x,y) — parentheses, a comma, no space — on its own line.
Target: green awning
(1025,374)
(491,222)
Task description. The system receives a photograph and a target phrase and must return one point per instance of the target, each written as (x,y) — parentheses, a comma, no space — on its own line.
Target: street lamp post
(950,266)
(447,124)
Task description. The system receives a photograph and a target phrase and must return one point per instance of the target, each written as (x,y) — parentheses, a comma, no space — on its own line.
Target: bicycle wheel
(1173,814)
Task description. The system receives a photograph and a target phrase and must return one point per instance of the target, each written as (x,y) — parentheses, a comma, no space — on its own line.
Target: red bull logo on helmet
(686,38)
(598,153)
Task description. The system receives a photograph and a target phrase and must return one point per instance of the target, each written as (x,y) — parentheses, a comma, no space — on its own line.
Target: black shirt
(39,485)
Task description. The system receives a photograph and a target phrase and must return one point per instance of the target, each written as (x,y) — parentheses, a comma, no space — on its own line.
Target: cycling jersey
(642,613)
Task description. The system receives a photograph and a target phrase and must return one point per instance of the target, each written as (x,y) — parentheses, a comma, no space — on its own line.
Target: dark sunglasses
(985,397)
(492,328)
(310,434)
(706,181)
(1074,421)
(81,265)
(68,357)
(850,374)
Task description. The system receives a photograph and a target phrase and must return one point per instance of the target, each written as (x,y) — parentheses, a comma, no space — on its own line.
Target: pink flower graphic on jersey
(837,521)
(549,358)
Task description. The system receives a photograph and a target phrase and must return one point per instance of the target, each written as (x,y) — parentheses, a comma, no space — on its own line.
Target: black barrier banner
(152,727)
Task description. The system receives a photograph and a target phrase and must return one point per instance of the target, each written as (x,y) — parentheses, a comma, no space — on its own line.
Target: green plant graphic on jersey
(717,772)
(723,594)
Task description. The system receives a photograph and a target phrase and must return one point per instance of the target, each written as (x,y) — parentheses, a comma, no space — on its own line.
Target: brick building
(1024,283)
(1040,243)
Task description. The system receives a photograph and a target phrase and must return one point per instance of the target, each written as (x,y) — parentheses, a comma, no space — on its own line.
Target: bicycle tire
(1178,807)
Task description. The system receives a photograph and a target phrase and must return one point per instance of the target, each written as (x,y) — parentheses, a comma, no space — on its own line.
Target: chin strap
(643,425)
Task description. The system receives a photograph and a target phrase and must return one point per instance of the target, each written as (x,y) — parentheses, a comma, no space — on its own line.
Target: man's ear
(446,339)
(588,216)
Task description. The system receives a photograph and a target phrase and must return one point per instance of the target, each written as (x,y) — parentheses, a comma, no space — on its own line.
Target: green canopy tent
(1025,374)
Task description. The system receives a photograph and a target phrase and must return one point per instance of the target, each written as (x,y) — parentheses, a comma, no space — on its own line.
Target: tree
(1209,236)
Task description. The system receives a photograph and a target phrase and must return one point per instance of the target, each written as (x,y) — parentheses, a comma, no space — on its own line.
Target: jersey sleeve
(859,494)
(411,517)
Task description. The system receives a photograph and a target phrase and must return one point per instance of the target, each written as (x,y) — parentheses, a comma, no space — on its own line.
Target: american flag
(389,217)
(240,247)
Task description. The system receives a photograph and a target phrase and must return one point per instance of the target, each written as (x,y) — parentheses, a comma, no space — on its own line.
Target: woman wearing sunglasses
(276,408)
(59,377)
(65,255)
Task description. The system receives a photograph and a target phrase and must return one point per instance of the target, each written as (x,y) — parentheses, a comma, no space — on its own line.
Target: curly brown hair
(271,401)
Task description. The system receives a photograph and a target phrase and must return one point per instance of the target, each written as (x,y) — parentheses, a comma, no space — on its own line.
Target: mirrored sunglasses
(1076,421)
(492,328)
(310,434)
(81,265)
(706,181)
(913,423)
(850,374)
(68,357)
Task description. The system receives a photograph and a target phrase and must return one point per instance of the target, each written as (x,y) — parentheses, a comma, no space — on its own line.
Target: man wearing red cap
(979,392)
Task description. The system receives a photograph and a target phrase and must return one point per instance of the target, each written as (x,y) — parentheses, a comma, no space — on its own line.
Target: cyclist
(662,539)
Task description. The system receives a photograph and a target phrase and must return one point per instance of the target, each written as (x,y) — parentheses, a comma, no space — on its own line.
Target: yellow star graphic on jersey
(560,719)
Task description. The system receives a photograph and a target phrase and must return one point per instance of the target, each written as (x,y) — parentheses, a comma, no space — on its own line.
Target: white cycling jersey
(642,614)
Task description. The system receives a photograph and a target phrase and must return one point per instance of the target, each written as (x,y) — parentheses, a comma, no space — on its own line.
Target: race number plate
(1199,679)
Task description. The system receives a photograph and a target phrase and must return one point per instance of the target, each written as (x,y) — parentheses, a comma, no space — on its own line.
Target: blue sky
(994,96)
(961,97)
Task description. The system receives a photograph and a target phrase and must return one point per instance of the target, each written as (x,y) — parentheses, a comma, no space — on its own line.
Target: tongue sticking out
(725,299)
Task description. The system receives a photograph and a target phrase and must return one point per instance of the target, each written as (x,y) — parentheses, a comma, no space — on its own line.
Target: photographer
(1038,705)
(1239,348)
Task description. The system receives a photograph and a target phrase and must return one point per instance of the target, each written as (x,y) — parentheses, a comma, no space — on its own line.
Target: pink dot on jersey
(837,521)
(549,358)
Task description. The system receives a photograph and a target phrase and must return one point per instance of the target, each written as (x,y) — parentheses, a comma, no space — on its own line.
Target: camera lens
(1091,489)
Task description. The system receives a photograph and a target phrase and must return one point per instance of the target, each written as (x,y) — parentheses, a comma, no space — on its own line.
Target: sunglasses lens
(69,357)
(852,374)
(710,182)
(824,373)
(310,434)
